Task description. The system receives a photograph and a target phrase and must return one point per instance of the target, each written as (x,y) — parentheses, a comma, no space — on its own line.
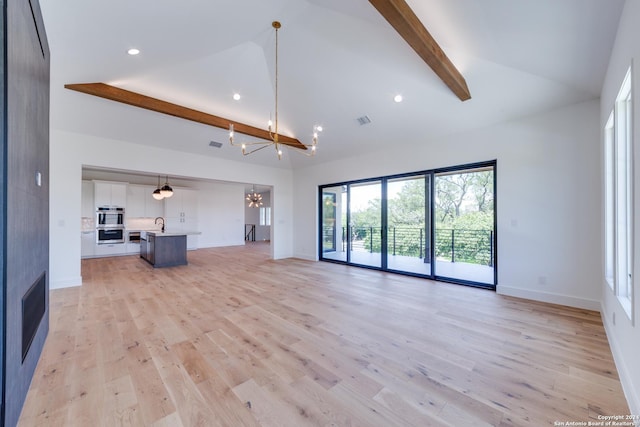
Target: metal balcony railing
(250,235)
(454,245)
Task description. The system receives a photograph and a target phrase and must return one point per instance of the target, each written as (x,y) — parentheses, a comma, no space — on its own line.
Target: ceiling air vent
(215,144)
(364,120)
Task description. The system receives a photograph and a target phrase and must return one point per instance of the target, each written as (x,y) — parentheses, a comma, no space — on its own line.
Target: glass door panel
(408,235)
(334,223)
(365,223)
(464,225)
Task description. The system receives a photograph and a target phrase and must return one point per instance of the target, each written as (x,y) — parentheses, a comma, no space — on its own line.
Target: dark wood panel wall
(25,190)
(3,198)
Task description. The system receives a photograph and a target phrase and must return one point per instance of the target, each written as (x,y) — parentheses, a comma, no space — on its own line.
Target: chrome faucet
(156,222)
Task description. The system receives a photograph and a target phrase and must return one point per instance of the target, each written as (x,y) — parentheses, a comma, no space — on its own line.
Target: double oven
(109,225)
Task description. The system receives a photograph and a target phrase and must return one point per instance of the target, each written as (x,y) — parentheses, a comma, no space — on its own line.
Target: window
(619,197)
(265,215)
(609,200)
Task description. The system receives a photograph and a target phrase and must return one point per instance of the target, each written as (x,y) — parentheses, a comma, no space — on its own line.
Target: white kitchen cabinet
(141,204)
(133,248)
(181,214)
(111,249)
(110,193)
(183,205)
(88,208)
(190,204)
(152,208)
(135,201)
(87,244)
(173,204)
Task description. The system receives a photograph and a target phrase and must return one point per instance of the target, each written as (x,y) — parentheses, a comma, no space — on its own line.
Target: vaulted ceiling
(339,60)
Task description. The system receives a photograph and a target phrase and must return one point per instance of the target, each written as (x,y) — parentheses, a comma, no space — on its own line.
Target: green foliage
(474,221)
(328,219)
(464,217)
(461,193)
(408,207)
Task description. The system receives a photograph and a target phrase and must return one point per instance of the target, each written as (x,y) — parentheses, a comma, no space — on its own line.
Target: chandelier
(254,199)
(273,130)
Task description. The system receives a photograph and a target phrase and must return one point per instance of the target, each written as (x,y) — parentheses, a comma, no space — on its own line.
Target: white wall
(548,199)
(70,151)
(624,335)
(220,214)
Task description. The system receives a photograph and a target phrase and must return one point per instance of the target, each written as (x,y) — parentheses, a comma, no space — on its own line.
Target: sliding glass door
(334,223)
(365,223)
(464,225)
(408,224)
(437,224)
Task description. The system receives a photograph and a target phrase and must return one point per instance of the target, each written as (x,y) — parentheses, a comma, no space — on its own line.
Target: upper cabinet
(183,204)
(110,193)
(152,208)
(141,204)
(135,201)
(88,207)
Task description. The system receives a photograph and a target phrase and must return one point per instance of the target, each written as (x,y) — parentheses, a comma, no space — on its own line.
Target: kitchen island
(162,249)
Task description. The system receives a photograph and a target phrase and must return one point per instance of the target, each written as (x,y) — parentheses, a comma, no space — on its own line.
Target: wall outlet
(542,280)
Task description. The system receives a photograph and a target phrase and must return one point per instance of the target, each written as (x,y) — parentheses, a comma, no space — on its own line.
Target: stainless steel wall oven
(109,225)
(109,216)
(109,235)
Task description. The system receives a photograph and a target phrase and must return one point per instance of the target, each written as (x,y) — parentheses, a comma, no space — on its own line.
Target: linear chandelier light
(273,131)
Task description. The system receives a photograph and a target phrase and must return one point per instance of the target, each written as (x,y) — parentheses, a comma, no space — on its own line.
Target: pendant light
(166,190)
(156,193)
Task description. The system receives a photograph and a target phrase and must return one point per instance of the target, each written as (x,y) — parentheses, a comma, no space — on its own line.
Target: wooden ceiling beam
(113,93)
(406,23)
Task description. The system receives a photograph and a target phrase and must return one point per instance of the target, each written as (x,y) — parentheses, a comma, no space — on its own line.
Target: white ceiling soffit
(339,60)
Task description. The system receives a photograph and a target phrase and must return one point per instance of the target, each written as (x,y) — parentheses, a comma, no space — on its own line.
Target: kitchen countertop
(143,234)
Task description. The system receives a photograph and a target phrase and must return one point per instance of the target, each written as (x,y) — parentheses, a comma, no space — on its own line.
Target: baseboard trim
(631,393)
(66,283)
(307,257)
(570,301)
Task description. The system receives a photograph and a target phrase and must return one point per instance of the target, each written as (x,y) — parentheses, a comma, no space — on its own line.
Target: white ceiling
(339,60)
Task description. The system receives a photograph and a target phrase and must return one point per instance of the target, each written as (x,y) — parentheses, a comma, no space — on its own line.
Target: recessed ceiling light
(319,128)
(133,51)
(236,96)
(397,98)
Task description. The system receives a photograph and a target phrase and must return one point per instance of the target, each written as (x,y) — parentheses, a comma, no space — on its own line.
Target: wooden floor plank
(237,339)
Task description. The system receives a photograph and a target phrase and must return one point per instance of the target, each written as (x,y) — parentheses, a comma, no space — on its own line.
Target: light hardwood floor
(236,339)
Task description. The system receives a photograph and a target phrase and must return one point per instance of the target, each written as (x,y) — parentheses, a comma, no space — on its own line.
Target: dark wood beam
(406,23)
(113,93)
